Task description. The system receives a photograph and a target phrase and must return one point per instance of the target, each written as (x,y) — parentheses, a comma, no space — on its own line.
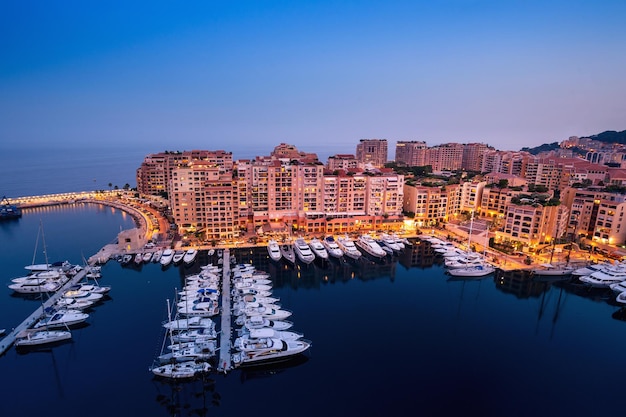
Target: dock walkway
(224,364)
(30,321)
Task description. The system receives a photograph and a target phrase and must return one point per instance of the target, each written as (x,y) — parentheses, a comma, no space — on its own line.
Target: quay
(224,364)
(30,321)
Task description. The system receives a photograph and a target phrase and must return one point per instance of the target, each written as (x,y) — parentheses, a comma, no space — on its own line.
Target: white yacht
(332,247)
(259,322)
(303,251)
(269,350)
(267,332)
(318,248)
(348,247)
(369,245)
(181,370)
(33,337)
(61,318)
(605,277)
(273,249)
(390,242)
(178,256)
(190,256)
(270,312)
(166,257)
(480,270)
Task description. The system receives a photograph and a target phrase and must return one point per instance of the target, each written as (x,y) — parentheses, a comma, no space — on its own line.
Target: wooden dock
(224,364)
(30,321)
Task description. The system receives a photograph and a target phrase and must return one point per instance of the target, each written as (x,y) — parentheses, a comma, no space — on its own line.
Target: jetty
(224,364)
(30,321)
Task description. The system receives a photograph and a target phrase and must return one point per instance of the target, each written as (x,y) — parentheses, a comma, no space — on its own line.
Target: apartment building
(411,153)
(342,161)
(446,157)
(372,151)
(533,225)
(428,204)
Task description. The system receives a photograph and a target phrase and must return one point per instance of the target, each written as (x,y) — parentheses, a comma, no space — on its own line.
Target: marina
(454,323)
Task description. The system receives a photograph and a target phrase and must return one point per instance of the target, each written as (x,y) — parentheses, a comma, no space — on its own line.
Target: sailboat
(550,271)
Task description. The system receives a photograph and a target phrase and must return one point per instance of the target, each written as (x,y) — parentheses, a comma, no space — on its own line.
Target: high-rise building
(411,153)
(372,151)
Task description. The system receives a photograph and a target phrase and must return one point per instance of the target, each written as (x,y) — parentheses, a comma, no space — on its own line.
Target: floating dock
(30,321)
(224,364)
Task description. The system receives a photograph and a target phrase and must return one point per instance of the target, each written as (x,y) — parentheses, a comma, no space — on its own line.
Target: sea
(399,337)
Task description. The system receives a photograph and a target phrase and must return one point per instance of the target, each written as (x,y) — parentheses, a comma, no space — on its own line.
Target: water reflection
(187,398)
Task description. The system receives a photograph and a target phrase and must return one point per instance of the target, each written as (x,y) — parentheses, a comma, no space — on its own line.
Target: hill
(610,136)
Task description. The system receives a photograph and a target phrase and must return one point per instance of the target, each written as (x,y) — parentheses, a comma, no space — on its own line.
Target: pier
(30,321)
(224,364)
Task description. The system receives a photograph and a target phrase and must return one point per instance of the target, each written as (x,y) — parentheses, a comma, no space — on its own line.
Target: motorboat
(181,370)
(621,297)
(258,322)
(190,323)
(93,288)
(618,287)
(156,256)
(126,259)
(82,295)
(202,351)
(138,258)
(332,247)
(287,253)
(178,256)
(249,298)
(390,242)
(73,304)
(463,262)
(34,337)
(318,248)
(384,247)
(269,350)
(273,249)
(348,247)
(267,332)
(203,309)
(303,251)
(191,335)
(166,257)
(480,270)
(263,311)
(242,285)
(605,277)
(369,246)
(590,269)
(147,257)
(36,286)
(190,256)
(61,318)
(241,307)
(402,242)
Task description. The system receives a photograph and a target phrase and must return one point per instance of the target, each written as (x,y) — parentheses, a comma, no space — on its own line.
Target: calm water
(387,338)
(396,338)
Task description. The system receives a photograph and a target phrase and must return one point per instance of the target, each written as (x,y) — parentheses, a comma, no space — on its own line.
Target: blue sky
(317,74)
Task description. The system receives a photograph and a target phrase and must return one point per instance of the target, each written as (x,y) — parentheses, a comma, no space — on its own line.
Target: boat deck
(30,321)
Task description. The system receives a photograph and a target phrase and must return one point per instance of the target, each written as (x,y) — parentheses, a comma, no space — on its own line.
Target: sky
(321,75)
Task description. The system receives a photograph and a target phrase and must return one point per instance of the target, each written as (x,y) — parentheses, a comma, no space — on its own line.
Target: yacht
(318,248)
(369,245)
(36,286)
(61,318)
(269,350)
(391,243)
(273,249)
(178,256)
(271,312)
(181,370)
(259,322)
(166,257)
(348,247)
(267,332)
(605,277)
(303,251)
(332,247)
(480,270)
(287,253)
(33,337)
(190,256)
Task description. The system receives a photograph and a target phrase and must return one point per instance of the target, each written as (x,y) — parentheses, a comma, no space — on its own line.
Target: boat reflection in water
(190,397)
(269,370)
